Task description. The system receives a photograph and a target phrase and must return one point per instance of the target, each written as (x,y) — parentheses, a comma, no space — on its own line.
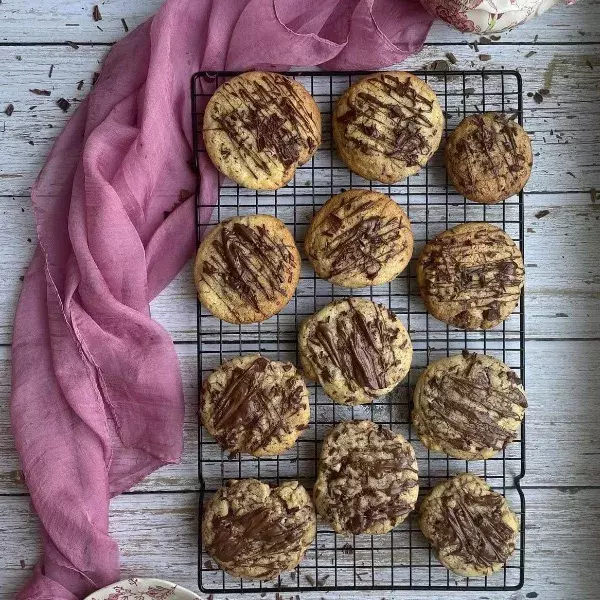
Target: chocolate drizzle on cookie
(266,121)
(391,118)
(478,268)
(470,526)
(369,474)
(248,266)
(466,407)
(490,150)
(358,239)
(358,347)
(267,538)
(252,408)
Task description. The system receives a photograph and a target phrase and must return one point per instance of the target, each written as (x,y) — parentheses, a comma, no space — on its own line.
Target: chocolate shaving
(63,104)
(9,110)
(593,195)
(541,213)
(39,92)
(485,57)
(310,579)
(80,84)
(72,45)
(538,98)
(450,56)
(125,27)
(19,57)
(96,13)
(530,54)
(347,548)
(50,71)
(588,62)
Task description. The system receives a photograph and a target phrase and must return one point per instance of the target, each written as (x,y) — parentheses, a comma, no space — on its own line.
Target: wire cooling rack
(403,558)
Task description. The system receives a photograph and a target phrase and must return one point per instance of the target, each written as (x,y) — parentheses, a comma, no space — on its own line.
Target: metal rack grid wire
(403,558)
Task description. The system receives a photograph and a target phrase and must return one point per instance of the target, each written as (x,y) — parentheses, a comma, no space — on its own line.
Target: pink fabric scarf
(97,399)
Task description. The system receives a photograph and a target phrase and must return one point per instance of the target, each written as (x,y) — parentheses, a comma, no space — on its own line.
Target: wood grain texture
(60,20)
(564,127)
(562,447)
(157,535)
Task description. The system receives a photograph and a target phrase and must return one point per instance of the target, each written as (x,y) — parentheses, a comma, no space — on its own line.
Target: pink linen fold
(97,401)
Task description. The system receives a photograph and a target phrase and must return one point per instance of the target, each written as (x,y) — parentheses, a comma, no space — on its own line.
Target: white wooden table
(155,523)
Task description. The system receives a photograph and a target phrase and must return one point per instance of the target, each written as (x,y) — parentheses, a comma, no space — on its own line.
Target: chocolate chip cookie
(471,276)
(470,527)
(247,269)
(488,157)
(469,406)
(255,405)
(359,238)
(387,126)
(259,127)
(356,349)
(368,479)
(256,531)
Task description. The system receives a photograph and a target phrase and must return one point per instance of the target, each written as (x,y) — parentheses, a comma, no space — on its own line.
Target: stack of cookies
(258,128)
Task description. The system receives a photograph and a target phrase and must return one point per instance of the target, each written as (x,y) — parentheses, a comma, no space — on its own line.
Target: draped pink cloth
(97,399)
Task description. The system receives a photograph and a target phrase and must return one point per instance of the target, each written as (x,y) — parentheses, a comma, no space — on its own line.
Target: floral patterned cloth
(486,16)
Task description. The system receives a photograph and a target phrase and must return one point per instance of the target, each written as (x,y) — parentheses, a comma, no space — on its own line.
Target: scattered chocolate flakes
(95,77)
(9,110)
(63,104)
(38,92)
(545,92)
(450,56)
(347,548)
(485,57)
(96,13)
(50,71)
(323,579)
(538,98)
(439,65)
(125,25)
(80,84)
(72,45)
(541,213)
(593,195)
(588,62)
(530,54)
(310,579)
(22,563)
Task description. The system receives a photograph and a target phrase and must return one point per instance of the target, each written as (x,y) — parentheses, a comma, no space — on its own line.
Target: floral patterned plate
(143,589)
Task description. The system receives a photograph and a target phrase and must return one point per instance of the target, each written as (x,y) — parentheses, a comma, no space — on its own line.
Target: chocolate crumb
(593,195)
(80,84)
(538,98)
(450,56)
(535,39)
(21,278)
(439,65)
(530,54)
(496,38)
(465,353)
(29,240)
(484,40)
(9,110)
(530,230)
(588,62)
(310,579)
(72,44)
(347,548)
(50,71)
(323,579)
(208,564)
(293,575)
(470,90)
(544,91)
(530,94)
(96,13)
(32,107)
(19,57)
(474,45)
(485,57)
(124,25)
(541,213)
(31,143)
(22,562)
(39,92)
(63,104)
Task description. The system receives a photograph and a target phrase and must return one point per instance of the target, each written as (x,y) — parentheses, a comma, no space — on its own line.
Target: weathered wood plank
(57,21)
(562,280)
(564,128)
(157,534)
(562,442)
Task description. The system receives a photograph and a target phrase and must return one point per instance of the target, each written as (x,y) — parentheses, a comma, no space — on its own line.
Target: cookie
(256,531)
(356,349)
(471,528)
(255,405)
(471,276)
(488,158)
(359,238)
(387,126)
(469,406)
(367,480)
(247,269)
(259,127)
